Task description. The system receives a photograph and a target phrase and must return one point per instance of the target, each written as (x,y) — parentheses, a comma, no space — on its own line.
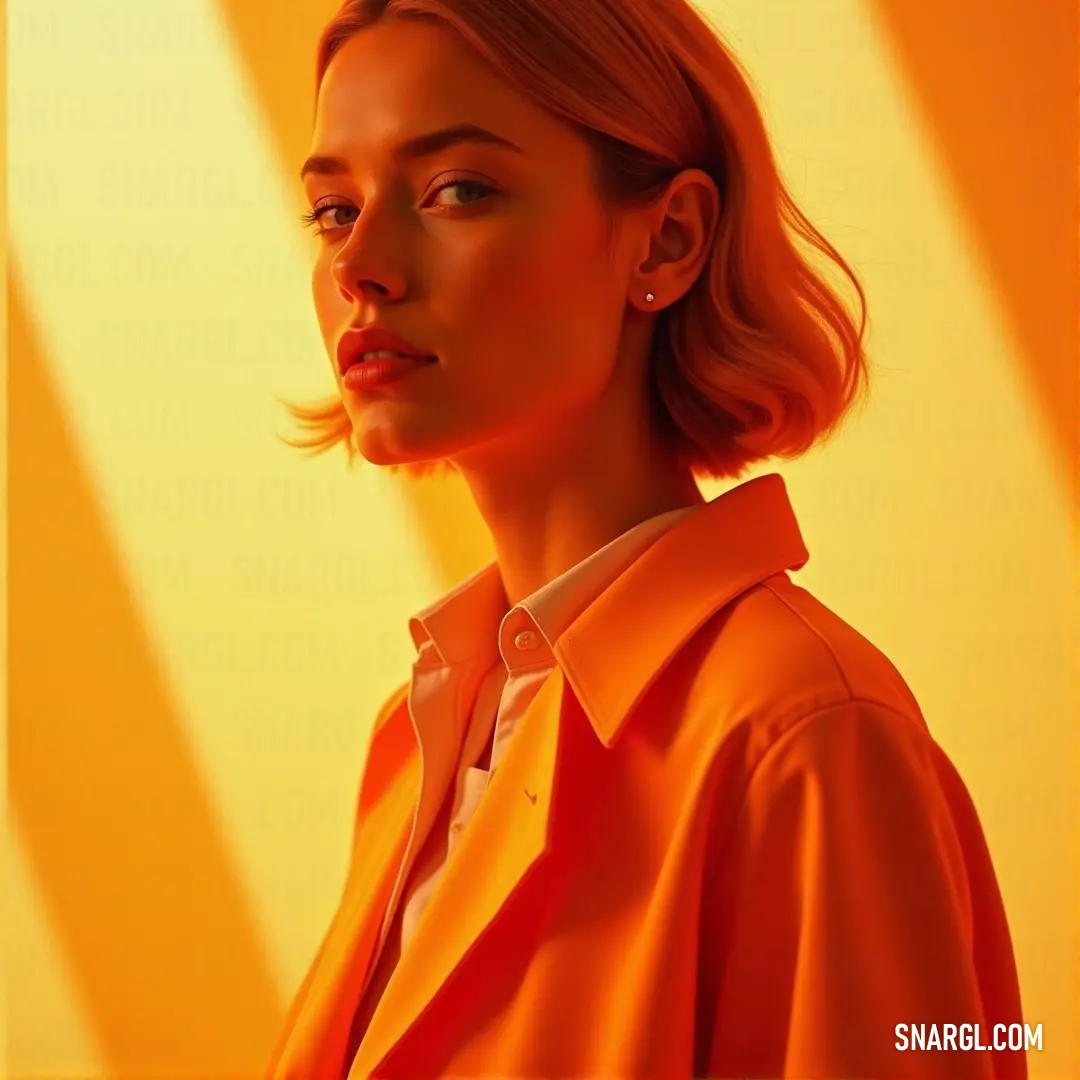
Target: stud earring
(649,297)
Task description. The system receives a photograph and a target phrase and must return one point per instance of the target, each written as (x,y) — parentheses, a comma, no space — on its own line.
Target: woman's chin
(399,460)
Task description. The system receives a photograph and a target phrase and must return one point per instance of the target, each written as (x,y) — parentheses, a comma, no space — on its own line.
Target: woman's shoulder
(778,657)
(804,709)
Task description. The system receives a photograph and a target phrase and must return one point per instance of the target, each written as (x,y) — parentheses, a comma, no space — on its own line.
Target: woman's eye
(319,217)
(470,189)
(324,219)
(331,211)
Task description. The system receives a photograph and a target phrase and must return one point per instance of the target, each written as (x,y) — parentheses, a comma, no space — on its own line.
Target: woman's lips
(382,371)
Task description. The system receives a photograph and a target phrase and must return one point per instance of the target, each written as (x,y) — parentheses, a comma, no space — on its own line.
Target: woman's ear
(682,231)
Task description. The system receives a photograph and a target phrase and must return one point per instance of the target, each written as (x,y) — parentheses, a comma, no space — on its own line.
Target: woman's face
(491,255)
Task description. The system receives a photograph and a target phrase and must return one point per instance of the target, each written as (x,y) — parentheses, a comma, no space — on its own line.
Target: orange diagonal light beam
(123,841)
(278,53)
(996,81)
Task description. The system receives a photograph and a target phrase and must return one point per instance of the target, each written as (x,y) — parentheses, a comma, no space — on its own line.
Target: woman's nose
(371,260)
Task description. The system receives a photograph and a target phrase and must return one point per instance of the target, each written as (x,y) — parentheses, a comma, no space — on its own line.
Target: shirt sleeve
(846,908)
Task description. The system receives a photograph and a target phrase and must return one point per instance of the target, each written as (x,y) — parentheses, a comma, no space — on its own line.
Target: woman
(645,808)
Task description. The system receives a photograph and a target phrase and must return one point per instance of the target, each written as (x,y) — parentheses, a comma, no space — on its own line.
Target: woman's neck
(555,504)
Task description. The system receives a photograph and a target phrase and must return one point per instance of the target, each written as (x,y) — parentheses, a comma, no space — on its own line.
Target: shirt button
(456,827)
(526,640)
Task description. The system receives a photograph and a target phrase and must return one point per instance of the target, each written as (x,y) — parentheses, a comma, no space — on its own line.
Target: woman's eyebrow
(417,147)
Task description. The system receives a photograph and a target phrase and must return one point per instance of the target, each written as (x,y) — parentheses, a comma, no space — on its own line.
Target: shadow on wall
(121,836)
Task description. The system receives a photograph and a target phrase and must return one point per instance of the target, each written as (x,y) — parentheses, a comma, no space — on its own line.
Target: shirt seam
(817,633)
(721,838)
(774,746)
(776,743)
(813,714)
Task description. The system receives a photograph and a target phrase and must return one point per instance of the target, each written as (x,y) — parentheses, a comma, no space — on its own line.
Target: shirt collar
(703,561)
(553,607)
(474,622)
(461,625)
(613,652)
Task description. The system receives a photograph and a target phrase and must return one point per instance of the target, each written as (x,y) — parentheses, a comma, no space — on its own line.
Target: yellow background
(201,623)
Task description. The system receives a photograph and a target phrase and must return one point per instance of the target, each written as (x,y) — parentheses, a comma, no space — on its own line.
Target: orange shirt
(721,842)
(468,635)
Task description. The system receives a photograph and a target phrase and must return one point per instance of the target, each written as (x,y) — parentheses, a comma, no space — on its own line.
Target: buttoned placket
(522,647)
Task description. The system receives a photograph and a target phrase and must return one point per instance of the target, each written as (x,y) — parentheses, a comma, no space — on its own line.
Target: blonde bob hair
(760,358)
